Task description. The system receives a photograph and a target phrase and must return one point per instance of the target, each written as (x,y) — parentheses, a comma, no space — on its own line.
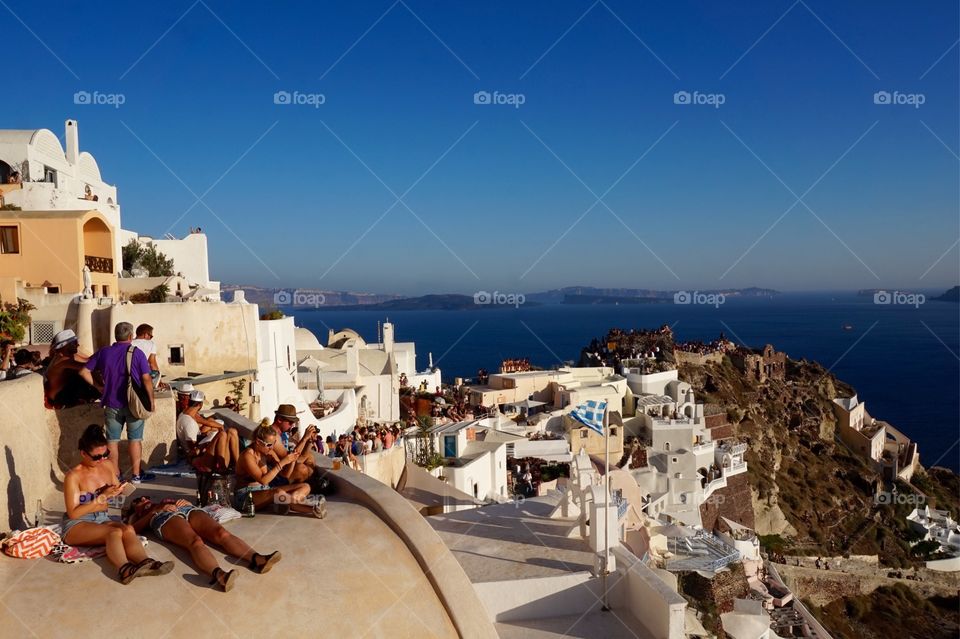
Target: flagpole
(606,506)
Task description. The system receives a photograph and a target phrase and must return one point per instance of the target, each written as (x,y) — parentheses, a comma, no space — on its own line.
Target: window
(613,431)
(9,239)
(49,175)
(583,434)
(106,291)
(176,354)
(666,446)
(53,290)
(449,445)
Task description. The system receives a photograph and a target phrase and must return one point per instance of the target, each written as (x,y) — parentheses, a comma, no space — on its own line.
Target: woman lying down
(185,525)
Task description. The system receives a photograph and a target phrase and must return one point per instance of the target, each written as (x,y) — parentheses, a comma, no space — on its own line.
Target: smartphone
(128,489)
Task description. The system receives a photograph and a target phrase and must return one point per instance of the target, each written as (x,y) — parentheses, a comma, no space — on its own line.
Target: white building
(373,371)
(191,262)
(55,179)
(747,621)
(890,452)
(475,467)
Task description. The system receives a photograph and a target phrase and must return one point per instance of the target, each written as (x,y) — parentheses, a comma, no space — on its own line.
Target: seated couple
(208,443)
(286,424)
(88,487)
(270,480)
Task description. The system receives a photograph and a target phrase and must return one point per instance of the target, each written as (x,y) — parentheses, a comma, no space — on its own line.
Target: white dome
(306,341)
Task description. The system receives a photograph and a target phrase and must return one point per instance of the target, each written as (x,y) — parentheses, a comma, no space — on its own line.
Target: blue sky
(496,192)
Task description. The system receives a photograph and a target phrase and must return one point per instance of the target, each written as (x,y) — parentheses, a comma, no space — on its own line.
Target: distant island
(568,294)
(613,299)
(268,297)
(442,302)
(953,295)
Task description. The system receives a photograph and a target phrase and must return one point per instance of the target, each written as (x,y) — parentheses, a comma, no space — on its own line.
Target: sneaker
(136,479)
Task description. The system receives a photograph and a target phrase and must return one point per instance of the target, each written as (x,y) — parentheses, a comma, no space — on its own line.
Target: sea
(901,356)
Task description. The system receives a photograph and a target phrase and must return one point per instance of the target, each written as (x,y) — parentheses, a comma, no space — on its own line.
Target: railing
(98,264)
(731,554)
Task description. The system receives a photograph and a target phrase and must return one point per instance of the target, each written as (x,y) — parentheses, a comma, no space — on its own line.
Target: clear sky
(499,196)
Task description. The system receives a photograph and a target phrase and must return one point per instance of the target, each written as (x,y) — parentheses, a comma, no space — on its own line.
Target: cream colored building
(49,249)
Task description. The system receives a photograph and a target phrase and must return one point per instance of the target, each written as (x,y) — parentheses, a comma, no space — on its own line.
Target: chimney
(353,361)
(387,337)
(72,137)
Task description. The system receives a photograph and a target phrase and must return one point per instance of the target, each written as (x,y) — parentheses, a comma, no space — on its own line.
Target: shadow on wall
(73,421)
(16,506)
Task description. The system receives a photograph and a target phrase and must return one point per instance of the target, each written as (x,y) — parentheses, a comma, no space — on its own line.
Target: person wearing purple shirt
(111,363)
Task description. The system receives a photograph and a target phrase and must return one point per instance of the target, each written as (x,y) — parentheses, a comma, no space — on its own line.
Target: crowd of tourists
(274,470)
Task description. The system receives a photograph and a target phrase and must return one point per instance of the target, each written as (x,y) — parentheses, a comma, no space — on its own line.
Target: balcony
(98,264)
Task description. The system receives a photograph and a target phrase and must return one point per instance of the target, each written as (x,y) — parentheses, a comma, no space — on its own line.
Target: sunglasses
(104,455)
(263,443)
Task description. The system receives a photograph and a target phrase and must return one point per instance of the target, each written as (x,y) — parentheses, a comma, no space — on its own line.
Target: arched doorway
(98,246)
(5,171)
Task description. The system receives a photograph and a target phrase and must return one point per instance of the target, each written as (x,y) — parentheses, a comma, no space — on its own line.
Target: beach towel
(221,513)
(66,554)
(181,468)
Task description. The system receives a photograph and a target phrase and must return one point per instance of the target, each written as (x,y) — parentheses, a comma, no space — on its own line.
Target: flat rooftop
(515,540)
(350,561)
(595,623)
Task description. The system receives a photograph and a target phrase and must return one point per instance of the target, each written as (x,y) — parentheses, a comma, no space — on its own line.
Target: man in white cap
(62,385)
(209,445)
(183,397)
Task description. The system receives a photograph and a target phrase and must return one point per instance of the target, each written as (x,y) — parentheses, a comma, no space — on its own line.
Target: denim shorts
(99,517)
(158,520)
(116,418)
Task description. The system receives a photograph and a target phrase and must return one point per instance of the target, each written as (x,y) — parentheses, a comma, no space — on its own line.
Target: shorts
(99,517)
(157,521)
(115,419)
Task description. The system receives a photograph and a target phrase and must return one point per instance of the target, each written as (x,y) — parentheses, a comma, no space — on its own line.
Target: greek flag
(590,414)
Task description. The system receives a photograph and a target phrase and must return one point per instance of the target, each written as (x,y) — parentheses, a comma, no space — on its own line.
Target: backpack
(138,401)
(32,543)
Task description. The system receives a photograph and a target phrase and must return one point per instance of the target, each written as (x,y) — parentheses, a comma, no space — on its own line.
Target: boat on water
(847,327)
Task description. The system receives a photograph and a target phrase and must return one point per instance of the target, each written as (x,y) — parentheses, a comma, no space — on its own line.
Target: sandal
(150,567)
(262,564)
(130,571)
(224,579)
